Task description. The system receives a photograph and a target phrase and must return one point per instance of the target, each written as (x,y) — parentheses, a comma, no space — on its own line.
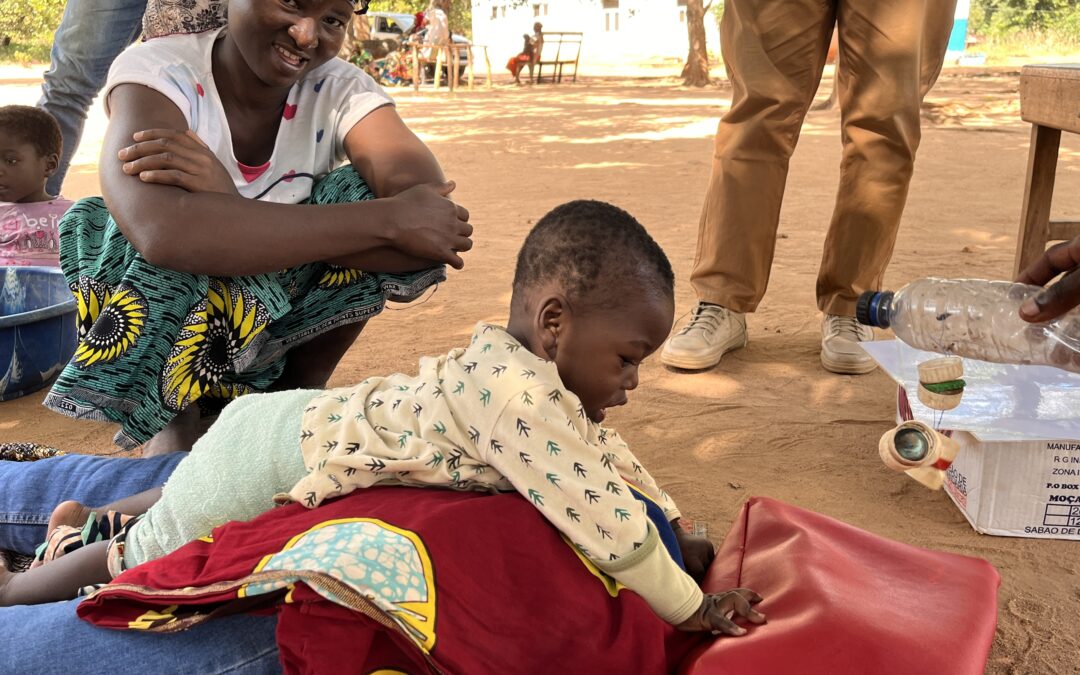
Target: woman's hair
(588,246)
(34,126)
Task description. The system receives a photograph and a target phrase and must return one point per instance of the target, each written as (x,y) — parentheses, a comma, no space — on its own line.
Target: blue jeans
(38,639)
(47,639)
(91,35)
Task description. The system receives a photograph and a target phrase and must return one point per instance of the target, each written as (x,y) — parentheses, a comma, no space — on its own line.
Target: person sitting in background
(537,46)
(530,53)
(525,58)
(30,146)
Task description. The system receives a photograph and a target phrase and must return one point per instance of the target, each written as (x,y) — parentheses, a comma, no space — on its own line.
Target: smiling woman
(200,276)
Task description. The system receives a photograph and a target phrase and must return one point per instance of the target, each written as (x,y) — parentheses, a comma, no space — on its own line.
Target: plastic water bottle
(973,318)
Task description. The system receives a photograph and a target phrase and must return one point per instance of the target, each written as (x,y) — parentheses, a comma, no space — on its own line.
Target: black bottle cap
(872,308)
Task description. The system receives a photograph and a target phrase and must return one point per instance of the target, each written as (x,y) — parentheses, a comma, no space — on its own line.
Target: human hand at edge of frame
(718,611)
(182,159)
(697,552)
(427,224)
(1058,298)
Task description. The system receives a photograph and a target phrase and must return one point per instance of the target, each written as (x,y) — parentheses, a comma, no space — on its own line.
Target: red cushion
(841,600)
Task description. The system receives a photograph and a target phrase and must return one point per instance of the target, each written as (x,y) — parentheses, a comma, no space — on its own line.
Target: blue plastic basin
(38,333)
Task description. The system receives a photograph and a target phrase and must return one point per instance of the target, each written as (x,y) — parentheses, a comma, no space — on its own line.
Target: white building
(615,31)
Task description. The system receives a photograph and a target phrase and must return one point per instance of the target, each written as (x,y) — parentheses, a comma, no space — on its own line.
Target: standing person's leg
(38,638)
(775,53)
(31,490)
(90,36)
(890,55)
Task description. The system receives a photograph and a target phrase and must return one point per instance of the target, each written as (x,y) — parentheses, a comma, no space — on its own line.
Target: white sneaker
(712,332)
(840,350)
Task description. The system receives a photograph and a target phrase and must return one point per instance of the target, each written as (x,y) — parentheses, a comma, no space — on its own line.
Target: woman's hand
(717,610)
(1061,296)
(169,157)
(427,224)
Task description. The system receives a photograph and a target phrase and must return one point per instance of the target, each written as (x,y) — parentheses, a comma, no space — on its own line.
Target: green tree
(459,12)
(998,17)
(29,20)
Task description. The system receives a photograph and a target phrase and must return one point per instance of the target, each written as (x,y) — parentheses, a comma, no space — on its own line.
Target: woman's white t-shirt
(319,111)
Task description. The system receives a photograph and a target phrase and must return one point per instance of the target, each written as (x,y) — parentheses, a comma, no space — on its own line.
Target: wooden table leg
(418,73)
(438,67)
(487,63)
(470,65)
(1035,216)
(455,63)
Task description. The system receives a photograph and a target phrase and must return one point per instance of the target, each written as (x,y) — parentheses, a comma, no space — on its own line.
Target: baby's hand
(169,157)
(697,552)
(717,610)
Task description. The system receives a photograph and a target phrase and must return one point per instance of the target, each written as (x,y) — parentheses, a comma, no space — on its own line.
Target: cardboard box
(1018,470)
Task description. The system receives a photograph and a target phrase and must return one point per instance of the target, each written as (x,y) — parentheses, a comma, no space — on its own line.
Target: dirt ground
(768,420)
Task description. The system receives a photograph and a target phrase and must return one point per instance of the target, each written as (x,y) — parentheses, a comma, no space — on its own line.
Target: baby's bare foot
(71,517)
(70,513)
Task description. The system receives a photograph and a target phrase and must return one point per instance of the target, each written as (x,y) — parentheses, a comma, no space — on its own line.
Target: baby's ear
(551,315)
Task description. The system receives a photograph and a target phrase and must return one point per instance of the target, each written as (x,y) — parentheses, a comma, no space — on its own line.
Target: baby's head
(30,146)
(595,294)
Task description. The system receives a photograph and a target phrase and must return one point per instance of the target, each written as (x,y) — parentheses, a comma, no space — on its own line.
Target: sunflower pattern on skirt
(339,276)
(109,322)
(154,341)
(214,336)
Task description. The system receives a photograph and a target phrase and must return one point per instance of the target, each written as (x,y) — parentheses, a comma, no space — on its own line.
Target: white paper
(1000,403)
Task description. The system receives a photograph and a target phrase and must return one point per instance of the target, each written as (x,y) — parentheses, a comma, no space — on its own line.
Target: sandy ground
(768,420)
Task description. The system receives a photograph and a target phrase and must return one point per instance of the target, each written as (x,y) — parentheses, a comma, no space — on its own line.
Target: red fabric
(516,63)
(250,173)
(510,594)
(840,600)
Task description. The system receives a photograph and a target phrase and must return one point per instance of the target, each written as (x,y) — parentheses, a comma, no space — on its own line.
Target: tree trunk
(356,33)
(696,71)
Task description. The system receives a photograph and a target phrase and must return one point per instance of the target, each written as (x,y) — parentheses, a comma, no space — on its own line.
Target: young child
(30,146)
(530,53)
(518,409)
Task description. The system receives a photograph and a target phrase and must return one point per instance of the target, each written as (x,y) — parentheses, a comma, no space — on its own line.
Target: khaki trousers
(891,52)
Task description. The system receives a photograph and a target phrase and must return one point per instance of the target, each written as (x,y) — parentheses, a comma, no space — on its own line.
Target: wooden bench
(560,48)
(1050,100)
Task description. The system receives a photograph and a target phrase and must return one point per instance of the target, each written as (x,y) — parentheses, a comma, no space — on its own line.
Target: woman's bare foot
(178,435)
(310,365)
